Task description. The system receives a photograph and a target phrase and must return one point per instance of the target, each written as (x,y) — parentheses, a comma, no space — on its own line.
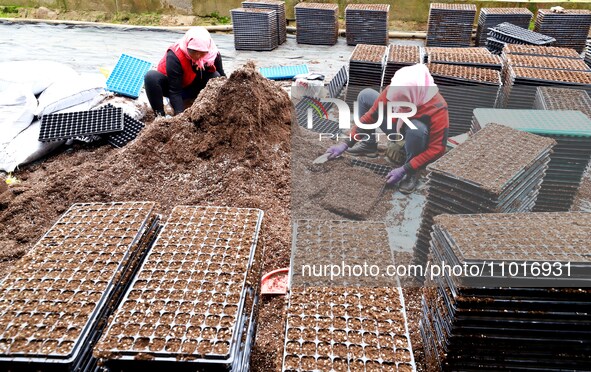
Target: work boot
(409,184)
(364,148)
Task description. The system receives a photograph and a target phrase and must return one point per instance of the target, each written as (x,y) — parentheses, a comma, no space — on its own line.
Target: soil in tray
(313,182)
(352,194)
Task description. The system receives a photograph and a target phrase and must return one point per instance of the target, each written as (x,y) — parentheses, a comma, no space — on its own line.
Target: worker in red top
(423,145)
(184,71)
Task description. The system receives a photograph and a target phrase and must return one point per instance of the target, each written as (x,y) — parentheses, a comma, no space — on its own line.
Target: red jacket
(186,63)
(433,114)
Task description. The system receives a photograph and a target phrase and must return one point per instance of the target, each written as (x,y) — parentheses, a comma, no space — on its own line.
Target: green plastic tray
(546,122)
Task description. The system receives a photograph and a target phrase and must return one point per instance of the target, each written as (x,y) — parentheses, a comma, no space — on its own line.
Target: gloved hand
(395,175)
(210,68)
(337,150)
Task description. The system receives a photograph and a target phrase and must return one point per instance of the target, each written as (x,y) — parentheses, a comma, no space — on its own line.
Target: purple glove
(337,150)
(395,175)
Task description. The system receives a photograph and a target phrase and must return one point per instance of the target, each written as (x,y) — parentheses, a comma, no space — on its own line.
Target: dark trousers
(157,88)
(416,140)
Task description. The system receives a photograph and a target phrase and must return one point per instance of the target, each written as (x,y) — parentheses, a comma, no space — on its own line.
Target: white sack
(36,76)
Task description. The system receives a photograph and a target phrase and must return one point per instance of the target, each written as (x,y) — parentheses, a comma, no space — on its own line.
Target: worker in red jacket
(423,145)
(184,71)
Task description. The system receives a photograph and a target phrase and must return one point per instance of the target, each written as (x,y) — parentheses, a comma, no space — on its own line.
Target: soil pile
(231,148)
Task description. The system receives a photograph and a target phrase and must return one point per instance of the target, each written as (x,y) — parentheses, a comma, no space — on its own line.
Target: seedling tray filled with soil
(465,88)
(341,329)
(400,56)
(570,129)
(317,243)
(192,304)
(506,325)
(52,302)
(475,178)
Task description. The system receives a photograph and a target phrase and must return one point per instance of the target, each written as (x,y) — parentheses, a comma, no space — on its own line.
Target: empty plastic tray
(283,72)
(127,77)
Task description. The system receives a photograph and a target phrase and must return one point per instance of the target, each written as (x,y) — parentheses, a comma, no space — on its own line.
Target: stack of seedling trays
(317,23)
(464,89)
(337,83)
(570,28)
(551,63)
(473,57)
(400,56)
(450,25)
(367,24)
(539,51)
(507,33)
(490,17)
(548,98)
(131,129)
(498,170)
(347,329)
(570,157)
(520,84)
(588,52)
(519,314)
(279,8)
(193,303)
(57,295)
(255,29)
(366,67)
(63,126)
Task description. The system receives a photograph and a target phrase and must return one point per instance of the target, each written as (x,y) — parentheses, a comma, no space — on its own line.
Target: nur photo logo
(317,107)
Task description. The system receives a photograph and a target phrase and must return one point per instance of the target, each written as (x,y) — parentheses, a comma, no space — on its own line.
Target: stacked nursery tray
(63,126)
(473,57)
(520,84)
(464,89)
(193,303)
(498,170)
(490,17)
(317,23)
(570,27)
(131,129)
(450,25)
(540,51)
(57,295)
(400,56)
(367,24)
(254,29)
(279,8)
(552,63)
(548,98)
(570,157)
(507,33)
(347,329)
(366,67)
(522,319)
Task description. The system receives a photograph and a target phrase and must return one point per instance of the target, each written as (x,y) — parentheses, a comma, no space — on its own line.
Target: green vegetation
(9,11)
(218,19)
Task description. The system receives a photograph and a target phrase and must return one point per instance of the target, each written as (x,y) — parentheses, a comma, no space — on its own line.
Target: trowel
(321,159)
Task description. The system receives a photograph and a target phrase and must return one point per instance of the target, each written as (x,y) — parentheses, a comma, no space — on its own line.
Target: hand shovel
(321,159)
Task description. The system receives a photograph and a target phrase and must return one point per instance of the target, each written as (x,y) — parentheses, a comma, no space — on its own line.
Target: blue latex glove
(337,150)
(395,175)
